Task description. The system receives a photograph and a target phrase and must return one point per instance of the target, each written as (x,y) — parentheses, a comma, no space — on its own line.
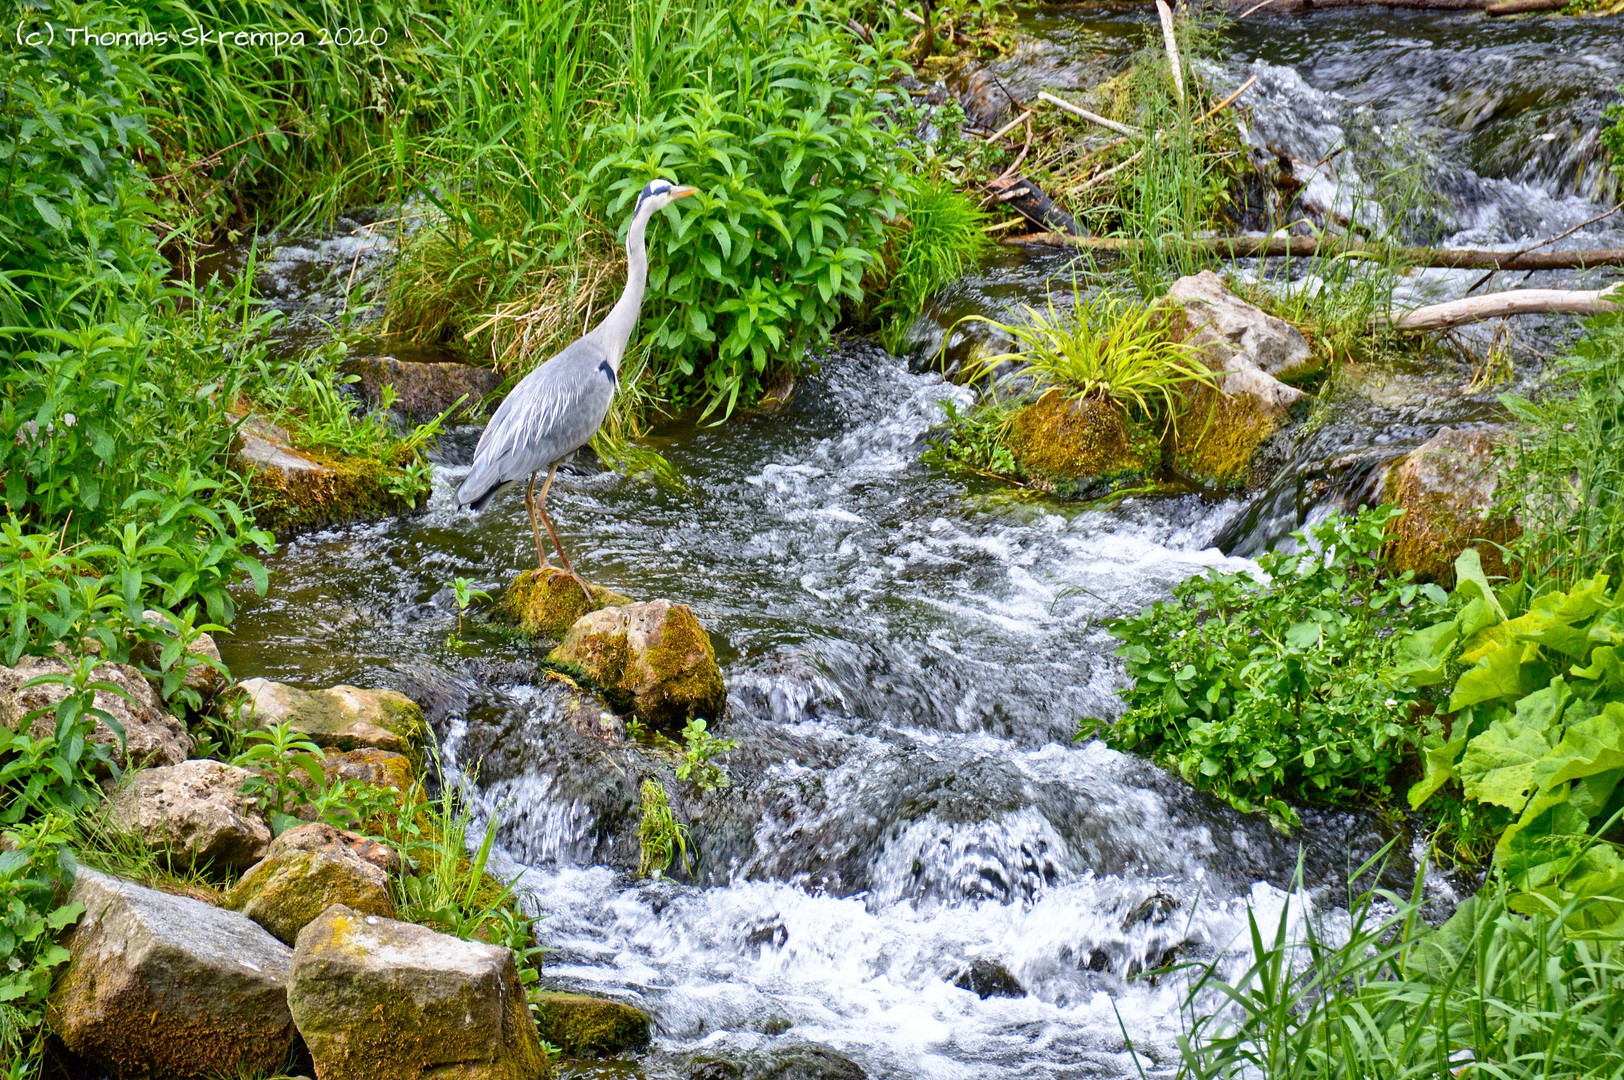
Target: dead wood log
(1498,305)
(1518,7)
(1302,247)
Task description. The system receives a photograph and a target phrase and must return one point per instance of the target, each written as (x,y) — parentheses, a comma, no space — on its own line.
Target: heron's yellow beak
(683,192)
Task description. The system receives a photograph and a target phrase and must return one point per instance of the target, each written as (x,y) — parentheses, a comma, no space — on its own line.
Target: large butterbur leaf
(1498,766)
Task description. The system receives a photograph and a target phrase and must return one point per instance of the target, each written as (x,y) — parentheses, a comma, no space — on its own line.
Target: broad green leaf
(1497,675)
(1440,769)
(1471,580)
(1604,667)
(1587,748)
(1498,766)
(1541,709)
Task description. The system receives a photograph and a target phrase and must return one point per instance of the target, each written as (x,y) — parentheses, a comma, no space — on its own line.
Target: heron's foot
(586,589)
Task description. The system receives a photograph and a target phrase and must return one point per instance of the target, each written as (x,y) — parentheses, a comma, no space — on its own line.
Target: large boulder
(545,603)
(422,391)
(194,812)
(1084,448)
(377,999)
(651,659)
(1219,428)
(151,735)
(302,489)
(308,869)
(1446,488)
(167,986)
(369,765)
(339,718)
(584,1026)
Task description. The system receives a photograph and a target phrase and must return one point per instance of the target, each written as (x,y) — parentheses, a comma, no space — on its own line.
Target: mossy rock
(545,603)
(330,490)
(1089,446)
(1446,488)
(1217,435)
(584,1026)
(652,659)
(342,717)
(303,872)
(369,765)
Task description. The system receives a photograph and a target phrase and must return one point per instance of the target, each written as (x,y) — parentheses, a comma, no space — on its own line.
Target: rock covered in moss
(651,659)
(1446,488)
(1083,447)
(377,999)
(305,870)
(369,765)
(301,489)
(778,1063)
(339,718)
(1219,428)
(585,1026)
(545,603)
(422,391)
(194,811)
(167,986)
(151,735)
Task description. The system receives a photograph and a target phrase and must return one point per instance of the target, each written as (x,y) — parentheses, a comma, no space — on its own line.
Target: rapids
(908,652)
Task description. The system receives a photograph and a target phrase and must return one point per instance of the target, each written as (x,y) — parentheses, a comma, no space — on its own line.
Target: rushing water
(915,866)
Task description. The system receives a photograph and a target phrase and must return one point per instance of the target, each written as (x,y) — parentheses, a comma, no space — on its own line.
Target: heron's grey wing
(553,412)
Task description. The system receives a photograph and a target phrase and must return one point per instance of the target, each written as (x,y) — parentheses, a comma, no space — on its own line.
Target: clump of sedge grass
(942,238)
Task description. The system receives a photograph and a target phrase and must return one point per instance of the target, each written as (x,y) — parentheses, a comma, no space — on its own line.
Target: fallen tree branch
(1518,7)
(1254,247)
(1498,305)
(1093,118)
(1171,40)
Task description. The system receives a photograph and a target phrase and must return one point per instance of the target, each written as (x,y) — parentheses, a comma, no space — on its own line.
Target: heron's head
(658,193)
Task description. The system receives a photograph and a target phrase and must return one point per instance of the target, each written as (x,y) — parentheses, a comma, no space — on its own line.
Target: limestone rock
(422,391)
(167,986)
(203,678)
(1083,448)
(377,999)
(369,765)
(151,735)
(987,978)
(780,1063)
(545,603)
(295,489)
(309,868)
(195,811)
(653,659)
(1446,488)
(1239,337)
(340,718)
(584,1026)
(1219,429)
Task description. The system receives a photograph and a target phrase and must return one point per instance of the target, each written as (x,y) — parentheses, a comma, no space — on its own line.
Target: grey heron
(557,408)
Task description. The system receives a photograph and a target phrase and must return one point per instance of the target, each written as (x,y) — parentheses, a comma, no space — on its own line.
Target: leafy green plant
(1535,730)
(1488,993)
(938,238)
(1104,347)
(57,773)
(974,439)
(661,838)
(699,747)
(464,593)
(1260,687)
(286,767)
(36,870)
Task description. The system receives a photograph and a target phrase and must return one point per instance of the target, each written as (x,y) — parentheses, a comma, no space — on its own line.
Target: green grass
(942,238)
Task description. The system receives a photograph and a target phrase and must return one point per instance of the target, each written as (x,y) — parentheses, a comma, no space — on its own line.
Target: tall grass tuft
(941,239)
(1490,993)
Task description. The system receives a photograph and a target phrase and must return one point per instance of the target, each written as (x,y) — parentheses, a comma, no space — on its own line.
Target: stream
(915,867)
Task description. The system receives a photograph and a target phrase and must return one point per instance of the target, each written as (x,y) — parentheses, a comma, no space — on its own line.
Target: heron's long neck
(618,325)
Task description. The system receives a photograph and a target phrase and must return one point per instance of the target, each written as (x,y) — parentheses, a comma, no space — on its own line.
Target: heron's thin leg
(535,530)
(568,569)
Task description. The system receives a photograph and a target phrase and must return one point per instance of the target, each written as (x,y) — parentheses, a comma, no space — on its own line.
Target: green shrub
(797,172)
(1535,730)
(36,870)
(939,238)
(1257,689)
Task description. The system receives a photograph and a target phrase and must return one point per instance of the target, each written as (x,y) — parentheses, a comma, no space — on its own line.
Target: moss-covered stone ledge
(545,603)
(341,718)
(298,489)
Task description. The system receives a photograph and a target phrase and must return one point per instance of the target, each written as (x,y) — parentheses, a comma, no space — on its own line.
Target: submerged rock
(305,870)
(785,1063)
(422,391)
(377,999)
(195,812)
(652,659)
(1083,448)
(167,986)
(545,603)
(584,1026)
(340,718)
(151,735)
(301,489)
(987,978)
(1219,429)
(1446,488)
